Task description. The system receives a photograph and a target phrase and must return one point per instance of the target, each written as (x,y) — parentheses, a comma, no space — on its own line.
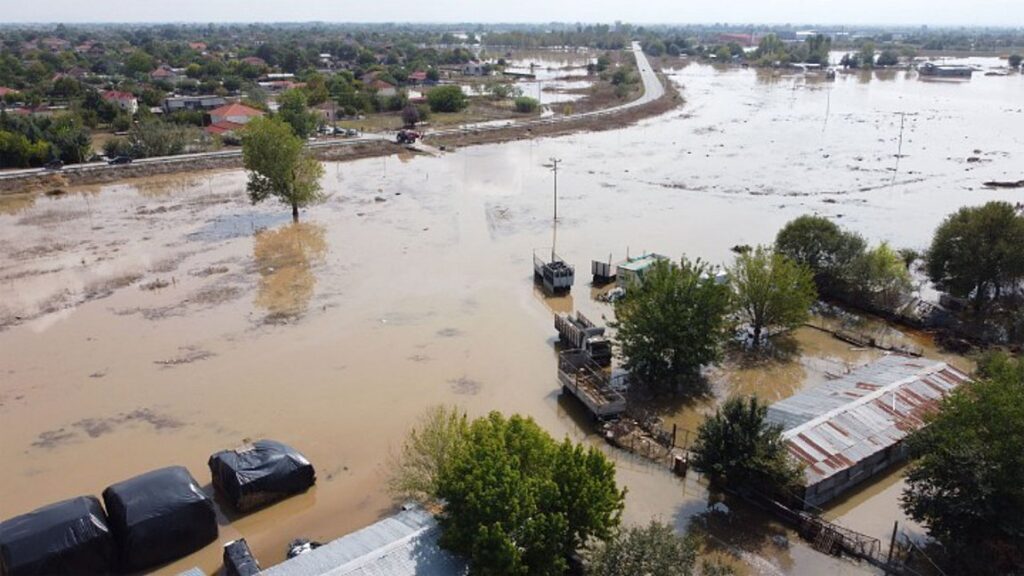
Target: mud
(334,334)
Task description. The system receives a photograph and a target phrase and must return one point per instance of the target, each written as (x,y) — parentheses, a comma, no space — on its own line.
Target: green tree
(279,166)
(965,483)
(771,290)
(737,448)
(888,58)
(70,139)
(294,111)
(151,138)
(672,324)
(518,503)
(526,105)
(448,98)
(653,550)
(882,279)
(1014,60)
(139,62)
(410,115)
(828,251)
(430,446)
(977,251)
(867,55)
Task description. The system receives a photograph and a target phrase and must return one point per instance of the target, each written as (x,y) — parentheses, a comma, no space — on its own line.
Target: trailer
(556,276)
(578,332)
(602,272)
(595,388)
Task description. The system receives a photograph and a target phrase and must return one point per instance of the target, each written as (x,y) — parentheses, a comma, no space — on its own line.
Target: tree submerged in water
(279,166)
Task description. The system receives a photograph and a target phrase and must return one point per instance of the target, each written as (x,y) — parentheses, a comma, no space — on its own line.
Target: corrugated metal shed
(832,427)
(403,545)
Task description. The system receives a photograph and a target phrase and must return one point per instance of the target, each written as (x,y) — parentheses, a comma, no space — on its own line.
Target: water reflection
(286,258)
(12,204)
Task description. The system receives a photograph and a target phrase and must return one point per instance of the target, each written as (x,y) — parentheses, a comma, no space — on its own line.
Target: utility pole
(554,169)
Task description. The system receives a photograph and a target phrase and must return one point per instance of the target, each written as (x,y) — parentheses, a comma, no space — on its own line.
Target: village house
(164,73)
(234,112)
(473,68)
(328,111)
(417,78)
(383,88)
(124,100)
(255,61)
(849,429)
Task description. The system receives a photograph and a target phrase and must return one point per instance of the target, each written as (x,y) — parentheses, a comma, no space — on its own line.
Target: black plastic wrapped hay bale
(69,537)
(159,516)
(265,472)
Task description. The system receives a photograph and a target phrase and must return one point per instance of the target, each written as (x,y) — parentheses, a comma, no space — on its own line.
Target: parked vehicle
(117,160)
(407,137)
(55,164)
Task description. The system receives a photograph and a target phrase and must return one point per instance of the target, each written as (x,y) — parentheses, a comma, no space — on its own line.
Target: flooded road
(154,322)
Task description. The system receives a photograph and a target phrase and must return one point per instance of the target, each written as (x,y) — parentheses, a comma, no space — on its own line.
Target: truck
(579,333)
(555,276)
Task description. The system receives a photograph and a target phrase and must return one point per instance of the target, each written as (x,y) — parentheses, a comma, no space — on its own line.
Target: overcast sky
(935,12)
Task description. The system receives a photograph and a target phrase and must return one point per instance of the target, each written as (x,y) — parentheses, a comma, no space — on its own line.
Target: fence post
(892,544)
(673,435)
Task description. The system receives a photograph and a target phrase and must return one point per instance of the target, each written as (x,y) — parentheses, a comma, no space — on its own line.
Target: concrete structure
(849,429)
(473,68)
(383,88)
(945,70)
(403,545)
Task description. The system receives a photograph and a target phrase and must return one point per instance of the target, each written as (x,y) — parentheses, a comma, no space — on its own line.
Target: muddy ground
(155,321)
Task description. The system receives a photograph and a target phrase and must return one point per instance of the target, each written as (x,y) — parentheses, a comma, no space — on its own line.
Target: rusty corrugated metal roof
(835,425)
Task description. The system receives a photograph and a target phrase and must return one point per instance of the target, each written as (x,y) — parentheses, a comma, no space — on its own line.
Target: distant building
(945,70)
(124,100)
(178,103)
(631,272)
(405,544)
(164,73)
(235,113)
(4,91)
(473,68)
(383,88)
(851,428)
(328,111)
(255,61)
(747,40)
(417,78)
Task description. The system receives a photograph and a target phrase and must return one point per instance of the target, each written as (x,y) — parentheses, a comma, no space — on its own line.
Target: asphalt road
(653,89)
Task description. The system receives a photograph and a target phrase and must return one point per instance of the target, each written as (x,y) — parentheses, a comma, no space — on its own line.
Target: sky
(850,12)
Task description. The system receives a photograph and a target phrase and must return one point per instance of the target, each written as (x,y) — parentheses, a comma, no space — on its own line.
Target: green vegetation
(526,105)
(965,482)
(449,98)
(672,324)
(739,449)
(515,500)
(882,278)
(976,252)
(654,549)
(279,166)
(294,111)
(824,248)
(771,290)
(1014,60)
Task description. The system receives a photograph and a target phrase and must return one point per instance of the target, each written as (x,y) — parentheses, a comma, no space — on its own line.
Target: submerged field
(153,322)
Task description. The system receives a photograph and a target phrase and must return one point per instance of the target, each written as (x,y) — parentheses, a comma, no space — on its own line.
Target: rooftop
(641,262)
(833,426)
(235,109)
(402,545)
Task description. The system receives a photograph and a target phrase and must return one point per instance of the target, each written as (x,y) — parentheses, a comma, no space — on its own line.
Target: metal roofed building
(402,545)
(849,429)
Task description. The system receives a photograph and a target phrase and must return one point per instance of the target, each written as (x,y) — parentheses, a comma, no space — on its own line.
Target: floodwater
(153,322)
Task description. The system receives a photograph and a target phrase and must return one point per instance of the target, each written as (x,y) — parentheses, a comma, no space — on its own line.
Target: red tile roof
(4,90)
(120,96)
(235,109)
(222,127)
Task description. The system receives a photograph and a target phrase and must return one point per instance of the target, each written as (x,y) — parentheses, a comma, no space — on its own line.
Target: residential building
(849,429)
(164,73)
(124,100)
(179,103)
(235,113)
(328,111)
(383,88)
(255,61)
(473,68)
(417,78)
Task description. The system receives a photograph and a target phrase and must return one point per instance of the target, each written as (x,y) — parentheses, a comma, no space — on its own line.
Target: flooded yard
(153,322)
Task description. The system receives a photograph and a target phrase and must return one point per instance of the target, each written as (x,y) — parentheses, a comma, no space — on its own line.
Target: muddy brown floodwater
(154,322)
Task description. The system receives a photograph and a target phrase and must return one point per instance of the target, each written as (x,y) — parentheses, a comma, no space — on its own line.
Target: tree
(70,139)
(653,550)
(867,55)
(1014,60)
(139,62)
(449,98)
(278,165)
(151,138)
(293,109)
(977,251)
(518,503)
(965,482)
(738,448)
(672,323)
(828,251)
(430,447)
(771,290)
(410,115)
(526,105)
(888,58)
(882,279)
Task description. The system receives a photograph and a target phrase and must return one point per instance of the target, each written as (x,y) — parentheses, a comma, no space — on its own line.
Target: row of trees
(31,141)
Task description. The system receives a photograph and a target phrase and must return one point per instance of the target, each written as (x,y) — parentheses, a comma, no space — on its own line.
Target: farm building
(851,428)
(633,269)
